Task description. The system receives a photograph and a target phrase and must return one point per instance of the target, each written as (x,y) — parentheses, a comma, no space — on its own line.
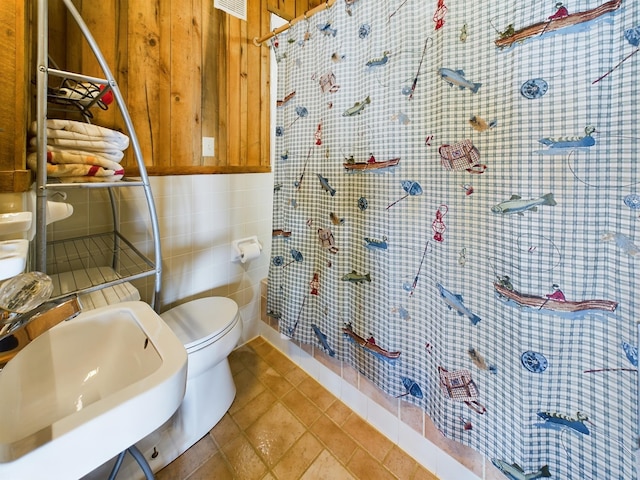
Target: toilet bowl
(209,329)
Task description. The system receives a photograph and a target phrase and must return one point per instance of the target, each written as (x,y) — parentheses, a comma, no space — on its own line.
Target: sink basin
(88,389)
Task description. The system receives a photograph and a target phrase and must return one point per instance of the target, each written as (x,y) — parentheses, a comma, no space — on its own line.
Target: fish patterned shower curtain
(456,208)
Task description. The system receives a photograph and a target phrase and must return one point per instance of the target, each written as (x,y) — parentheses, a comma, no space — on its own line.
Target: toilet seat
(203,321)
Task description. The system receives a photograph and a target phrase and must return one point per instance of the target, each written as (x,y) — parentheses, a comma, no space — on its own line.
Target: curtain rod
(328,3)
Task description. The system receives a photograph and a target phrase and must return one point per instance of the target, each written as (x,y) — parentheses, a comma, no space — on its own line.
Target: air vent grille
(237,8)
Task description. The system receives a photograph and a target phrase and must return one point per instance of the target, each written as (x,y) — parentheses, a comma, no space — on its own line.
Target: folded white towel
(70,157)
(88,144)
(61,152)
(74,169)
(72,130)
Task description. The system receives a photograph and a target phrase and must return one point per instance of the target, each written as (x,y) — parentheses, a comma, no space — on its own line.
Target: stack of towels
(80,152)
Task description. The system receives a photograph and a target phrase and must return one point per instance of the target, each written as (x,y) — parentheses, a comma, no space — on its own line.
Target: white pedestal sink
(86,390)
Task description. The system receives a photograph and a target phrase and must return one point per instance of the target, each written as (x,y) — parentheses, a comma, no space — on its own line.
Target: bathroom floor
(284,425)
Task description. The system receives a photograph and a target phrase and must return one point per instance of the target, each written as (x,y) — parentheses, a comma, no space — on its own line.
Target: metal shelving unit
(79,264)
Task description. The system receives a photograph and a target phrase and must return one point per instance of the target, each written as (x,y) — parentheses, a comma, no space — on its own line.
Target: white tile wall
(198,216)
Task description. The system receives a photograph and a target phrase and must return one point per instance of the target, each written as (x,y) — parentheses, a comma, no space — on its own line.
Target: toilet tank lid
(198,320)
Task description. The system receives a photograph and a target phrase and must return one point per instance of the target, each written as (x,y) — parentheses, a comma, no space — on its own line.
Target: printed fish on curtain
(456,208)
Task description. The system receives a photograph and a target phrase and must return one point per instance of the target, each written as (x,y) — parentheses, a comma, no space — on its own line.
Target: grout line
(324,413)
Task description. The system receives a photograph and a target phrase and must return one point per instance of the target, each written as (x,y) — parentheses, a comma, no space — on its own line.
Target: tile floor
(284,425)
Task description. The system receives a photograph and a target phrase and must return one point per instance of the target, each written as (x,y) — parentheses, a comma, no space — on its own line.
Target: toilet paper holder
(241,246)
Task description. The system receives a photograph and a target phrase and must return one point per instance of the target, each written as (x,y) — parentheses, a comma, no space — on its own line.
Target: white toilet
(209,329)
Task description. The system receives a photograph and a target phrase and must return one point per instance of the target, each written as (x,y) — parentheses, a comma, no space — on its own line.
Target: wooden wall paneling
(147,79)
(14,82)
(184,80)
(302,6)
(222,93)
(120,67)
(161,140)
(245,126)
(102,23)
(10,43)
(283,8)
(210,88)
(197,42)
(186,70)
(57,35)
(234,92)
(254,87)
(265,94)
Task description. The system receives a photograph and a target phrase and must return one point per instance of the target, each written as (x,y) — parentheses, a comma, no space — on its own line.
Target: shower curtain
(455,215)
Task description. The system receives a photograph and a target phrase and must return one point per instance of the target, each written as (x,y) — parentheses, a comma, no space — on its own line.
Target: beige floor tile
(279,361)
(214,468)
(190,460)
(248,387)
(296,375)
(317,393)
(262,349)
(243,459)
(364,466)
(335,440)
(235,363)
(274,433)
(302,407)
(371,439)
(299,457)
(399,463)
(225,431)
(257,341)
(338,412)
(283,425)
(278,384)
(326,467)
(249,359)
(253,410)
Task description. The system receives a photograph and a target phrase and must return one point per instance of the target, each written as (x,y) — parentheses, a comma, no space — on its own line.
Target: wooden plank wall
(14,85)
(187,71)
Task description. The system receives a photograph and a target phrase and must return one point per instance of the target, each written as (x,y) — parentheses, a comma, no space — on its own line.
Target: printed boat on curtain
(545,303)
(371,164)
(369,345)
(559,421)
(514,471)
(510,36)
